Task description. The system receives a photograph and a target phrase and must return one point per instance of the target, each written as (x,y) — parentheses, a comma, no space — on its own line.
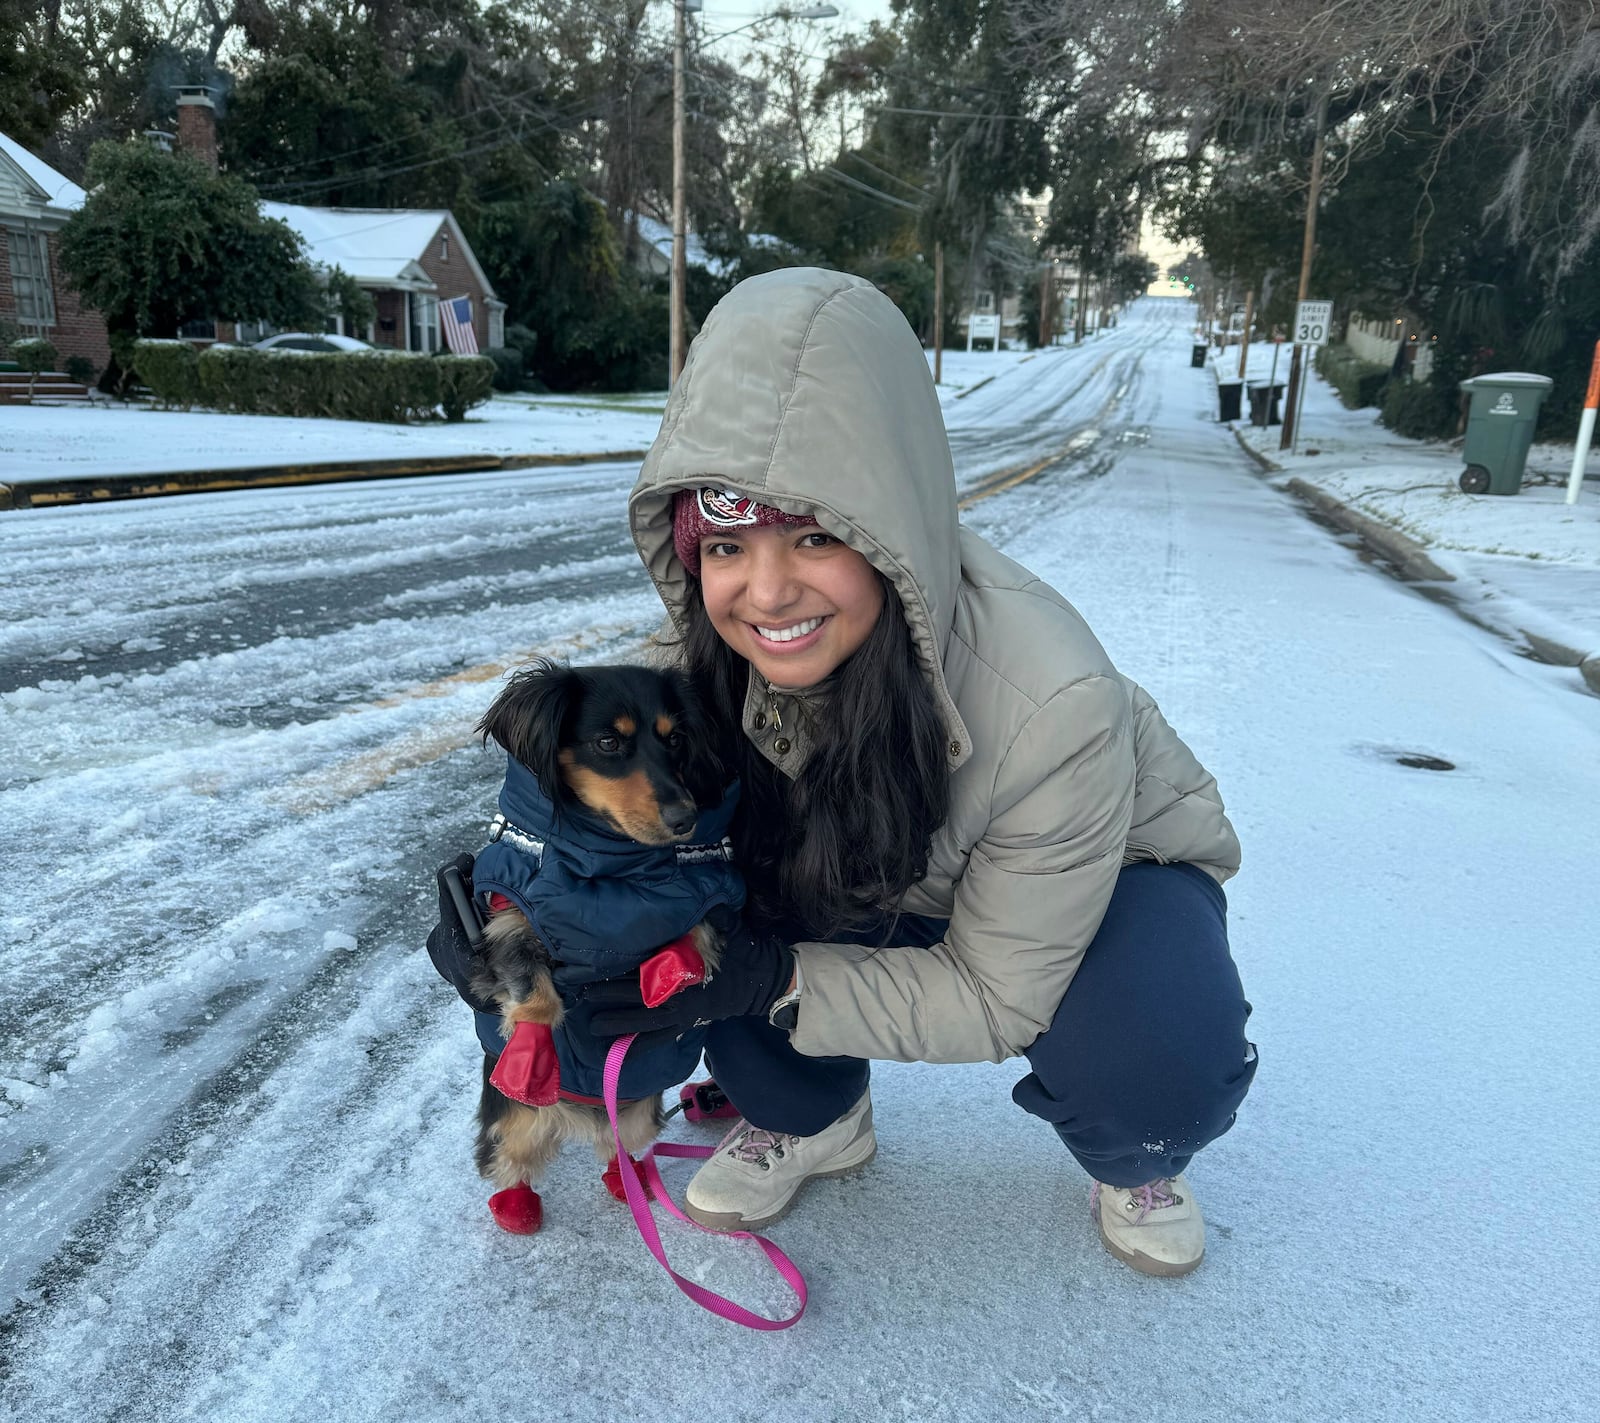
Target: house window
(30,279)
(985,301)
(444,246)
(424,333)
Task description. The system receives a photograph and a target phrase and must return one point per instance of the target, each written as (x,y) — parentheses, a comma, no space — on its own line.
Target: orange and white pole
(1591,403)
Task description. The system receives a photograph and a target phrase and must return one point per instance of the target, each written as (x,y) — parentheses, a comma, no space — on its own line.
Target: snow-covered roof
(376,246)
(56,189)
(659,236)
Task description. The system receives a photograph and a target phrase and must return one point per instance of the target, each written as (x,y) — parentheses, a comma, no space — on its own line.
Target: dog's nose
(680,818)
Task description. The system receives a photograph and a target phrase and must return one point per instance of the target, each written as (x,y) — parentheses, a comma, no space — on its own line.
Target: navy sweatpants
(1144,1063)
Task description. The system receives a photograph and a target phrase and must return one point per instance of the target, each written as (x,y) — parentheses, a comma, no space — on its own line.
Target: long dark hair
(842,842)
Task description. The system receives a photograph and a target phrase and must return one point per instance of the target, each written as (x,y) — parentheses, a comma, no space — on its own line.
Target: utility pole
(938,311)
(1044,304)
(678,344)
(679,341)
(1244,341)
(1308,247)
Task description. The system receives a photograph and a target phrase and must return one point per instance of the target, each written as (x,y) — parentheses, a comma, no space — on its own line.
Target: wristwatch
(785,1013)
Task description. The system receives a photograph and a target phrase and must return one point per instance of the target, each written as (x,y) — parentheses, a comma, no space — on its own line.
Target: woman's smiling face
(793,602)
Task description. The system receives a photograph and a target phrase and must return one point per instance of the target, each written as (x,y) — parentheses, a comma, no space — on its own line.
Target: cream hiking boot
(755,1175)
(1157,1229)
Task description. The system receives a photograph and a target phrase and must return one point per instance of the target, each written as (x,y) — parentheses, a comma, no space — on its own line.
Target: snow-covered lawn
(109,438)
(58,442)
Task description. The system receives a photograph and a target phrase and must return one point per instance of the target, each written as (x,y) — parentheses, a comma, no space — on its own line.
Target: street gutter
(48,491)
(1410,558)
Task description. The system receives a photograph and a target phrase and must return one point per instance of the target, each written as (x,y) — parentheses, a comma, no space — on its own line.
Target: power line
(952,114)
(315,185)
(885,173)
(833,172)
(374,147)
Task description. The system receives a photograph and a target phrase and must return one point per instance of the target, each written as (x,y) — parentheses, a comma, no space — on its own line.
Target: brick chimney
(197,123)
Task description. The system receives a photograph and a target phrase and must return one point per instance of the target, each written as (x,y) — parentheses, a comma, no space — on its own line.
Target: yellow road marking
(1005,479)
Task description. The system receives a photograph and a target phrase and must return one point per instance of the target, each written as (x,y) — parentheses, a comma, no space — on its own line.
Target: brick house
(35,203)
(408,259)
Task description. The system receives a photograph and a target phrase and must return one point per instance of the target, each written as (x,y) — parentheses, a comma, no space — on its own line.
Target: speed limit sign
(1311,322)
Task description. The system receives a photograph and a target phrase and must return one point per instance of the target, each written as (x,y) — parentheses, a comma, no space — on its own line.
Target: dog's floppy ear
(704,773)
(527,717)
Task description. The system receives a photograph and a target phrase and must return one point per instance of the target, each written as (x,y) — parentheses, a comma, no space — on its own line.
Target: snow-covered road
(236,1114)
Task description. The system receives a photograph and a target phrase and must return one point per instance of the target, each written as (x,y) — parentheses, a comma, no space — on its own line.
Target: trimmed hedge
(171,369)
(1359,383)
(386,386)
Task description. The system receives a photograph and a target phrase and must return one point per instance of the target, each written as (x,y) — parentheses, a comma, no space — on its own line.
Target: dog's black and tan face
(630,744)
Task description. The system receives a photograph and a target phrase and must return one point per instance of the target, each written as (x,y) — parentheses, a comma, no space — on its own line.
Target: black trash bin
(1197,354)
(1264,399)
(1260,396)
(1229,398)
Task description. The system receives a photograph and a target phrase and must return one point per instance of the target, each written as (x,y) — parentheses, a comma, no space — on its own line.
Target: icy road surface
(236,1114)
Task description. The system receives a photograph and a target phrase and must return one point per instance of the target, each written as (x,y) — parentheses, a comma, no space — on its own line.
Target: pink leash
(639,1204)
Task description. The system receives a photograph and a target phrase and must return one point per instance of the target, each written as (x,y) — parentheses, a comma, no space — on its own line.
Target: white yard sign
(1311,322)
(984,328)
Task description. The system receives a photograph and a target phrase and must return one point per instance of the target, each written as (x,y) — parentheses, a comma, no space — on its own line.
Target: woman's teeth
(789,634)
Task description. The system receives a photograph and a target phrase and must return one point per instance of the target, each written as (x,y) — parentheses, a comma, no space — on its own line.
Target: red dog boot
(669,970)
(611,1177)
(517,1209)
(528,1070)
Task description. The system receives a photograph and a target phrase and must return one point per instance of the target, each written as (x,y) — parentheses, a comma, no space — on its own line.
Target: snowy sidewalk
(1528,566)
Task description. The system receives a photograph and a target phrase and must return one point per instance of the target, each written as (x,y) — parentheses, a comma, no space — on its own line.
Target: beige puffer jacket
(807,389)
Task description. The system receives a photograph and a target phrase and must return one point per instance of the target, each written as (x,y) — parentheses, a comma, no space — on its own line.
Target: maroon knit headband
(698,512)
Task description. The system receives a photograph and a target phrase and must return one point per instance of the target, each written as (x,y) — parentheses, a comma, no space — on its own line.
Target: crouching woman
(965,835)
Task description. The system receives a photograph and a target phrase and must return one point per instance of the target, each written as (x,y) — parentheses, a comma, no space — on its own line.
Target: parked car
(311,341)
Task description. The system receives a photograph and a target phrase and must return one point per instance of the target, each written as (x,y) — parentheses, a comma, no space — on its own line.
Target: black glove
(454,943)
(754,973)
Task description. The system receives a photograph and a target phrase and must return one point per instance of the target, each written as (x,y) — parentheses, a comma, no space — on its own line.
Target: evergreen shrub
(80,368)
(33,353)
(1420,410)
(394,387)
(1359,383)
(464,381)
(507,367)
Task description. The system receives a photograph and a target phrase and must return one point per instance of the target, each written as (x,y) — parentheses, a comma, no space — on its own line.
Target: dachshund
(626,769)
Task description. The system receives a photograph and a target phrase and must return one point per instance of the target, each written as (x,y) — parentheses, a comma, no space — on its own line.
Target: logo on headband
(727,508)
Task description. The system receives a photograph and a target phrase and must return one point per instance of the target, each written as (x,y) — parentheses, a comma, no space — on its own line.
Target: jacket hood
(807,390)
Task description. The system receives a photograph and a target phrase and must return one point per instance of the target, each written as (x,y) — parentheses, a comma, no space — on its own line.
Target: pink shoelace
(1154,1197)
(753,1143)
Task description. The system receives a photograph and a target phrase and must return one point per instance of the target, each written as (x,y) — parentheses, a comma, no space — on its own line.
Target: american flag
(455,319)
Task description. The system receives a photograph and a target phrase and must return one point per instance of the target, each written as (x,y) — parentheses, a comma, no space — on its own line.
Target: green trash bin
(1505,408)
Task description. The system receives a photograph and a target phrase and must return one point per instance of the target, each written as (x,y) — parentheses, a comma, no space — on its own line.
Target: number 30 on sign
(1311,322)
